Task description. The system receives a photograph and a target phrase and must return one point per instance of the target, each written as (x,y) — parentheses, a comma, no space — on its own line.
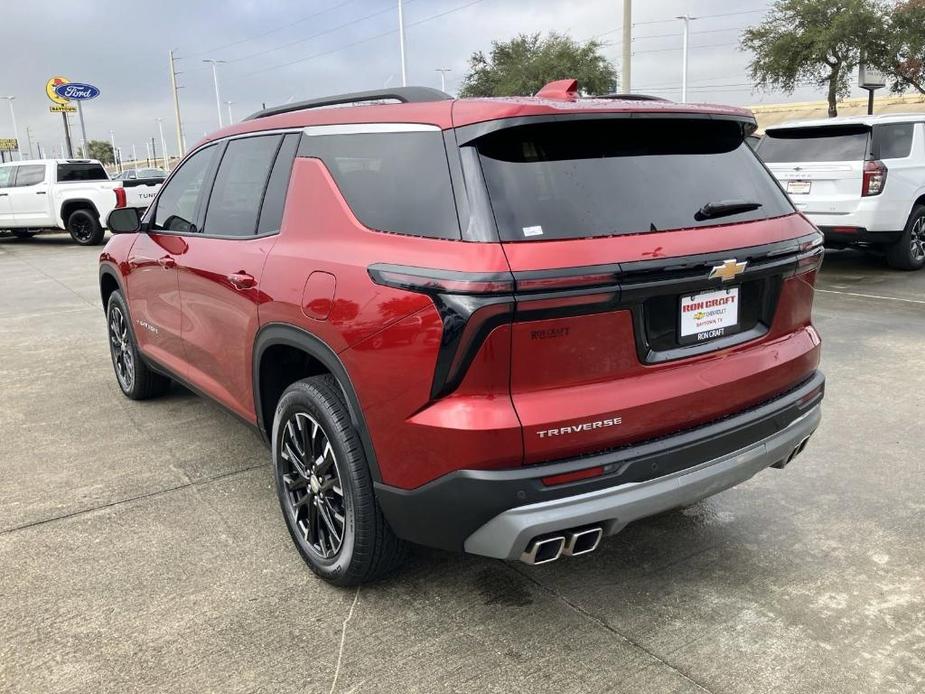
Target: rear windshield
(81,172)
(579,179)
(828,143)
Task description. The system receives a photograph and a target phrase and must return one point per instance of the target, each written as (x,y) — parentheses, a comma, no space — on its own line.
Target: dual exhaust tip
(572,543)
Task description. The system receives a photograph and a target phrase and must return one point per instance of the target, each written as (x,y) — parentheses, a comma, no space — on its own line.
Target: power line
(703,16)
(678,48)
(364,40)
(279,28)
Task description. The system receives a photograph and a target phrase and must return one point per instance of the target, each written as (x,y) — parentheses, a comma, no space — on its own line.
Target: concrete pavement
(142,548)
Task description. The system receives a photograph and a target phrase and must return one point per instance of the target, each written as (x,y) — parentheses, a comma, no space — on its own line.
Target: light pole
(218,99)
(134,156)
(160,128)
(687,30)
(15,131)
(443,71)
(230,117)
(115,157)
(626,87)
(401,40)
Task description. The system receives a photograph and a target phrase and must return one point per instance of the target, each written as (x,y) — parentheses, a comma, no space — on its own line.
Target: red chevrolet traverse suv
(502,326)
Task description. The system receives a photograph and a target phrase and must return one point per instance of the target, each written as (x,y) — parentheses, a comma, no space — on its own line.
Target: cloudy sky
(277,50)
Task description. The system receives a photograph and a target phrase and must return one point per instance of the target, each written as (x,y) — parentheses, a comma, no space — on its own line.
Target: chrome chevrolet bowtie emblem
(729,270)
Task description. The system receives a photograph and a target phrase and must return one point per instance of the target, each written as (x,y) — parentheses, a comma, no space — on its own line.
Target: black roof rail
(406,95)
(631,97)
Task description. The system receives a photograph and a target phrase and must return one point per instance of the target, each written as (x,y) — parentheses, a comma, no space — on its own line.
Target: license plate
(709,315)
(799,187)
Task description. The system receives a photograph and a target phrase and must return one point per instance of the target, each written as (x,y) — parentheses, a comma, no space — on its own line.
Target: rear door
(820,167)
(6,183)
(620,334)
(29,197)
(151,281)
(220,271)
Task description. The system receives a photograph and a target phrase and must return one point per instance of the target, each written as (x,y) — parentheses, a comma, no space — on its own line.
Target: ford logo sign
(77,91)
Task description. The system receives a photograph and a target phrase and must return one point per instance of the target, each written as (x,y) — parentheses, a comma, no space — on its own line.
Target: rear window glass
(580,179)
(398,182)
(894,140)
(828,143)
(68,173)
(30,175)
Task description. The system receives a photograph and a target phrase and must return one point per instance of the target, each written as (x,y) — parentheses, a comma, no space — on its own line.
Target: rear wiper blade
(722,208)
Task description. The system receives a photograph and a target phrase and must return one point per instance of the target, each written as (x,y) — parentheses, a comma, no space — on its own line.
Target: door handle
(3,195)
(40,192)
(167,262)
(241,280)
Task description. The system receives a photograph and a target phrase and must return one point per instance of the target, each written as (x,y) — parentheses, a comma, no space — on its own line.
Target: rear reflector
(566,477)
(845,230)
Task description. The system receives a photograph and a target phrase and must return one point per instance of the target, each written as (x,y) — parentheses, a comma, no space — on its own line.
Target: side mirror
(124,220)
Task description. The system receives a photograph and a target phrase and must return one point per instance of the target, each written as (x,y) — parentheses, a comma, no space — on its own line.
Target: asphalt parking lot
(142,548)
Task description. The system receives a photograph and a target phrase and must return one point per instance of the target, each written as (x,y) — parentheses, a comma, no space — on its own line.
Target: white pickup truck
(72,194)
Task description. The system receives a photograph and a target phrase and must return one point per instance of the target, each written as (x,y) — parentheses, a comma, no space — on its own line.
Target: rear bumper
(496,513)
(847,235)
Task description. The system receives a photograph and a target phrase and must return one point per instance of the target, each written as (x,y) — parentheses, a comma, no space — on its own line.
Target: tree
(521,66)
(99,149)
(902,53)
(814,41)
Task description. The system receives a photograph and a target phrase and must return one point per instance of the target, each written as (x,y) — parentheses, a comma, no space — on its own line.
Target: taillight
(120,197)
(874,178)
(430,281)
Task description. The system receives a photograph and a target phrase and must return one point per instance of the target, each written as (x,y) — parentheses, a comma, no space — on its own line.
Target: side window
(6,176)
(895,140)
(274,200)
(398,182)
(30,175)
(234,205)
(179,200)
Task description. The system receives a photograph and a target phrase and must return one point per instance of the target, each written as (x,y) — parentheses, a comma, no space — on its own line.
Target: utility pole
(134,156)
(218,99)
(148,150)
(29,140)
(174,90)
(626,87)
(15,132)
(115,153)
(443,71)
(230,117)
(687,30)
(160,127)
(401,40)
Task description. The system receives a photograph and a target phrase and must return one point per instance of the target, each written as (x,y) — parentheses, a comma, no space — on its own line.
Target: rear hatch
(820,167)
(612,229)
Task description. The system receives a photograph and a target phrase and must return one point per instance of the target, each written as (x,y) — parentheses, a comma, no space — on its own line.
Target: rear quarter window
(68,173)
(893,140)
(394,181)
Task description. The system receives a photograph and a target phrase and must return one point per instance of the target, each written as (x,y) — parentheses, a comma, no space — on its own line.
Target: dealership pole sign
(76,91)
(62,92)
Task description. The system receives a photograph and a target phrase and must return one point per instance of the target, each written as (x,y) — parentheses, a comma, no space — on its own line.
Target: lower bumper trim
(506,535)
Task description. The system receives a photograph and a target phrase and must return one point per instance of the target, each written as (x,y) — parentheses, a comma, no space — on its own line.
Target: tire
(22,234)
(84,227)
(909,252)
(136,380)
(312,414)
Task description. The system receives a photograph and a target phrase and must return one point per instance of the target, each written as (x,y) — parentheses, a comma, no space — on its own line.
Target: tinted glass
(827,143)
(149,173)
(6,176)
(894,140)
(274,201)
(234,205)
(578,179)
(398,182)
(81,172)
(176,207)
(30,175)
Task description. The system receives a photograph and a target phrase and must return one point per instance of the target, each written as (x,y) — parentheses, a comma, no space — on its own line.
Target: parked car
(501,326)
(861,180)
(72,194)
(136,177)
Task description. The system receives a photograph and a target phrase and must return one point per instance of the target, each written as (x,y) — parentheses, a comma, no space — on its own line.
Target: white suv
(861,180)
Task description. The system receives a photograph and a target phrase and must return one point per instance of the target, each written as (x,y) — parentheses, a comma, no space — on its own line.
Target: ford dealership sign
(77,91)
